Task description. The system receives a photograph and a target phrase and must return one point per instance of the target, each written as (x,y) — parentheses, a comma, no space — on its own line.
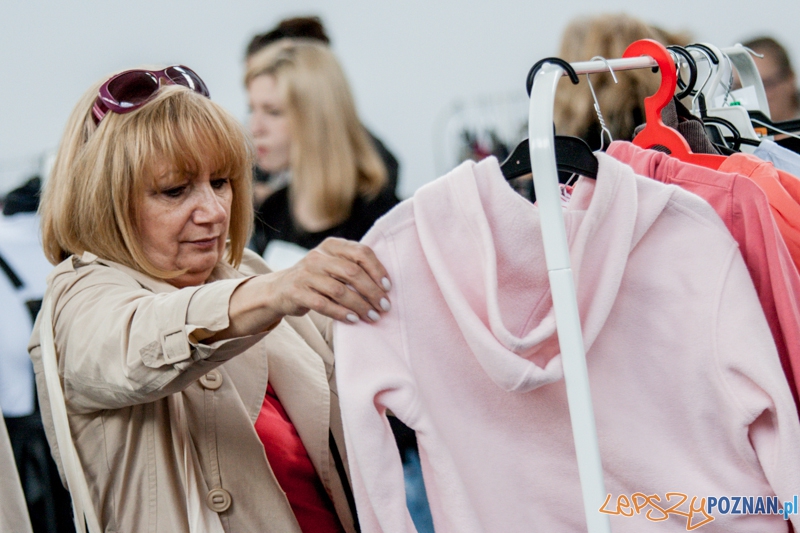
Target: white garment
(281,254)
(21,249)
(783,158)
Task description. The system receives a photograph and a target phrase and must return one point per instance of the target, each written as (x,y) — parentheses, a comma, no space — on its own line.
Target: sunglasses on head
(130,90)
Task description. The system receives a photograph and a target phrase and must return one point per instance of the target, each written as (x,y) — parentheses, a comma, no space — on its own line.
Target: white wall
(408,62)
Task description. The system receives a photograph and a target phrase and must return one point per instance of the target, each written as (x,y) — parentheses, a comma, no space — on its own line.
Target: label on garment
(697,512)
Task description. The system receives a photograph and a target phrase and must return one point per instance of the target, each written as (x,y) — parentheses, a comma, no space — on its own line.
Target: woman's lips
(205,243)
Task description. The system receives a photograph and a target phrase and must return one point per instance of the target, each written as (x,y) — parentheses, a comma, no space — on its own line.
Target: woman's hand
(340,279)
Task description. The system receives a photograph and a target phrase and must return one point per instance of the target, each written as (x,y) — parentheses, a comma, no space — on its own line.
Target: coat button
(212,380)
(218,500)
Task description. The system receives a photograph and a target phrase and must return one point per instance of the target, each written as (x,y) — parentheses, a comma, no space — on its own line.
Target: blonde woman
(304,125)
(159,310)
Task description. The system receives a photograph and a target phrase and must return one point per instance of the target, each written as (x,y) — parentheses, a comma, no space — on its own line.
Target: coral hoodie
(684,398)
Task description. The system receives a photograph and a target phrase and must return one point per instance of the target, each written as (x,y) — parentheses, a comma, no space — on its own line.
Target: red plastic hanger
(655,131)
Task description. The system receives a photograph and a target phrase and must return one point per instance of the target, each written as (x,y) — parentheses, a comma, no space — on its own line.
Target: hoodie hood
(483,244)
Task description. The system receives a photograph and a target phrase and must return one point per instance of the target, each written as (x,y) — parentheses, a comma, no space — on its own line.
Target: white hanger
(742,59)
(720,84)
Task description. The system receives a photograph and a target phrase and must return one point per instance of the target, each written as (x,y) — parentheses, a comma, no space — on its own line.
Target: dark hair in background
(296,27)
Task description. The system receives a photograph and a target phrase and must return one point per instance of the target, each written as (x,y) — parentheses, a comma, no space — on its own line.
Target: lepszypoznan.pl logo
(696,511)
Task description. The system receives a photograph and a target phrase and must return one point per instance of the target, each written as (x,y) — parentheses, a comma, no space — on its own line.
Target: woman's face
(182,222)
(269,124)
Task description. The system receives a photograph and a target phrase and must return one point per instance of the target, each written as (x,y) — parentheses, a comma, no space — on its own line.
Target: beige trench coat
(125,341)
(13,511)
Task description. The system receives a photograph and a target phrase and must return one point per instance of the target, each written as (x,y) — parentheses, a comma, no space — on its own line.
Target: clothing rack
(562,286)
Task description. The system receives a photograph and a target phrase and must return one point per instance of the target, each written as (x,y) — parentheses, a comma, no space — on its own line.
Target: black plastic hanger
(573,155)
(688,87)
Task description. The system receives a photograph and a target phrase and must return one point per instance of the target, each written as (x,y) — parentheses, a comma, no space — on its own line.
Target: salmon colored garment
(745,210)
(782,190)
(293,469)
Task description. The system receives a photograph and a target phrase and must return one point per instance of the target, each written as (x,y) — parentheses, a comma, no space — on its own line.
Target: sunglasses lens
(132,88)
(188,78)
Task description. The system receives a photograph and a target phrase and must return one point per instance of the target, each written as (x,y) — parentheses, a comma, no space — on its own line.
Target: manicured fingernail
(386,283)
(385,305)
(373,315)
(352,317)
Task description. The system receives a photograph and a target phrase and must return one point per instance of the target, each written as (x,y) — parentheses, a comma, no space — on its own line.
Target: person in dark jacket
(305,127)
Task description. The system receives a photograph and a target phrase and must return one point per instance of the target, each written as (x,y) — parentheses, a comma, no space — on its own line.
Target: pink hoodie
(688,393)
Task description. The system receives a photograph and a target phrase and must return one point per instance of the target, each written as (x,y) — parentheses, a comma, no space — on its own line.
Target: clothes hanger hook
(603,128)
(729,88)
(711,61)
(681,53)
(751,51)
(555,60)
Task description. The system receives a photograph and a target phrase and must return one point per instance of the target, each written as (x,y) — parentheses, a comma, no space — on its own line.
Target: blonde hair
(621,104)
(89,203)
(332,159)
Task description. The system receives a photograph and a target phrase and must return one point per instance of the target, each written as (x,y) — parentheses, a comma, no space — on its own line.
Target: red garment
(782,190)
(293,469)
(745,210)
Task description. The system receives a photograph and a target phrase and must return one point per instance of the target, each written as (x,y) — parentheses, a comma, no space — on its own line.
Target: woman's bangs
(191,135)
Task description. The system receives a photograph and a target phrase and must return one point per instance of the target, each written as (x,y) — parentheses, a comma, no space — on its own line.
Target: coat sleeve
(119,344)
(751,373)
(373,375)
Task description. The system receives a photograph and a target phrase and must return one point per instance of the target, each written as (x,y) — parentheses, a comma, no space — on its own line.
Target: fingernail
(373,315)
(352,317)
(385,305)
(386,283)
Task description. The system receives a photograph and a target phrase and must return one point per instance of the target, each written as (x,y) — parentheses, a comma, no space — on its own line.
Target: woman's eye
(174,192)
(219,183)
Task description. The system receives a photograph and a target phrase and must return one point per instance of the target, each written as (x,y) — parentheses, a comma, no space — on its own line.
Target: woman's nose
(210,207)
(258,125)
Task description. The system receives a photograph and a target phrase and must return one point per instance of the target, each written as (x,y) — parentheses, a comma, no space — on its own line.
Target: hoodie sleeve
(372,376)
(768,425)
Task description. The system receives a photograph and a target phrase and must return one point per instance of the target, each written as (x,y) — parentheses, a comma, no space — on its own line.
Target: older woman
(305,128)
(155,301)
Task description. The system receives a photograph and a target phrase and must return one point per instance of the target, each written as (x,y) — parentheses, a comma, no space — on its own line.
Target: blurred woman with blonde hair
(304,124)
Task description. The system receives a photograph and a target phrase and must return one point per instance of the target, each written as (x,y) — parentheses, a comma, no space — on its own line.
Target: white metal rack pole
(562,286)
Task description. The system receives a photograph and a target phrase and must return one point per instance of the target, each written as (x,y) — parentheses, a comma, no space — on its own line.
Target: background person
(158,308)
(23,271)
(304,123)
(288,89)
(309,27)
(777,74)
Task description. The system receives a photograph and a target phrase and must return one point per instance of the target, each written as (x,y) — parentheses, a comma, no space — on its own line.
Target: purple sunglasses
(130,90)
